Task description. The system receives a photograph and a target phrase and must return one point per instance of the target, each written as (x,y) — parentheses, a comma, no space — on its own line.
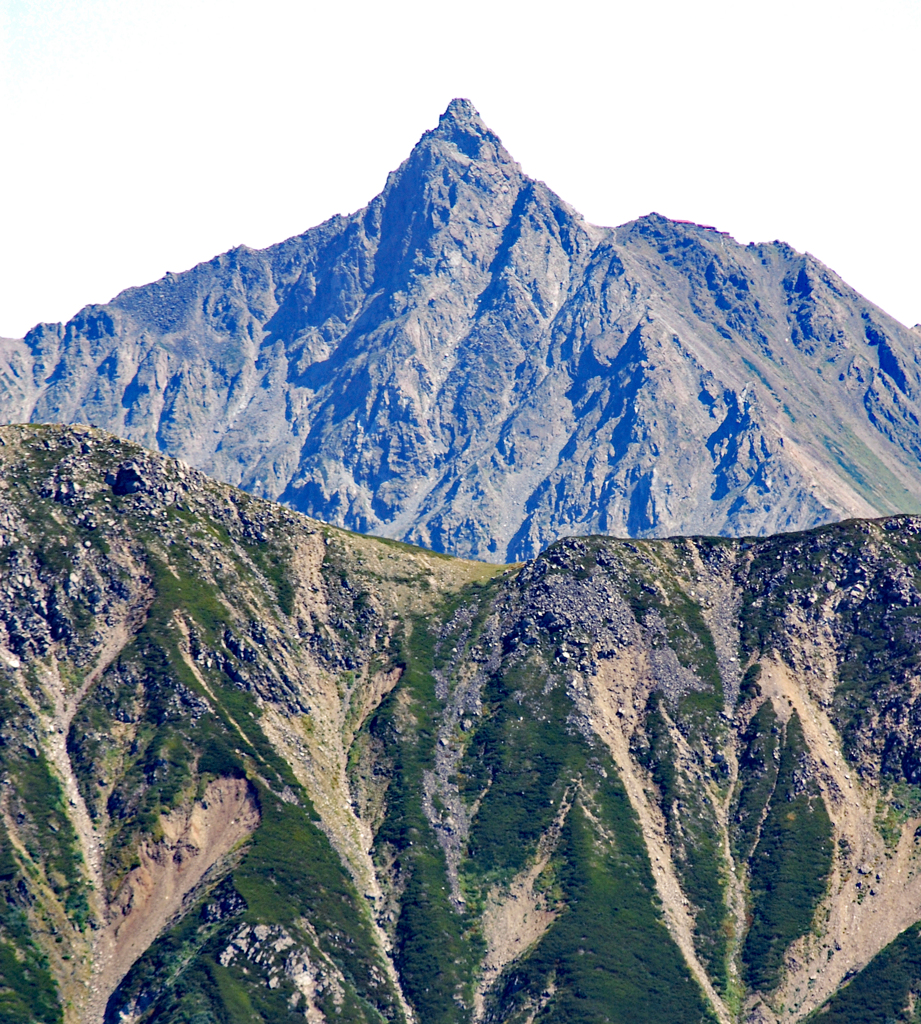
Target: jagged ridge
(467,364)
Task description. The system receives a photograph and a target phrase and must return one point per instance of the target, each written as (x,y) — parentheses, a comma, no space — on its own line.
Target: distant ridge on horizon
(467,364)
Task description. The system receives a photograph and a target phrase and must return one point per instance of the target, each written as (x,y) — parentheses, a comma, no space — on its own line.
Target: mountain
(468,365)
(256,768)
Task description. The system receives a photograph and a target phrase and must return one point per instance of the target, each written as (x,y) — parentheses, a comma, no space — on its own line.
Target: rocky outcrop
(469,365)
(251,760)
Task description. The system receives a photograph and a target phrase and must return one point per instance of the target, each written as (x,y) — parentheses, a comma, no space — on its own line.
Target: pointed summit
(461,124)
(462,113)
(465,364)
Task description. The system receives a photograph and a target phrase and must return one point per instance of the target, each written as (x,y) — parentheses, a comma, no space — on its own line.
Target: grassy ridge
(695,839)
(436,948)
(35,800)
(758,765)
(608,956)
(521,762)
(28,994)
(789,865)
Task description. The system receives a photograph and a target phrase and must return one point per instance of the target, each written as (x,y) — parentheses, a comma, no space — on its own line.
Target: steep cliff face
(257,768)
(467,364)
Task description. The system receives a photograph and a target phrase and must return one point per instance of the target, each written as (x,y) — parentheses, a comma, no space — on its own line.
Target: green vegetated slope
(258,769)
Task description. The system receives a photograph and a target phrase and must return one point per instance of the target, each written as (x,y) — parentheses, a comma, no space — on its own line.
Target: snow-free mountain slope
(255,768)
(466,363)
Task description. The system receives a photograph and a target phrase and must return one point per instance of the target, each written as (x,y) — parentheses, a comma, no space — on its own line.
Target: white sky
(138,137)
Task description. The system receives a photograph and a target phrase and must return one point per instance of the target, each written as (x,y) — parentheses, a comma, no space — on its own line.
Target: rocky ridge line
(467,364)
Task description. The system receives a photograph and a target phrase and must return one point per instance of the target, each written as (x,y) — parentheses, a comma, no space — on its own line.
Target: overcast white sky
(139,137)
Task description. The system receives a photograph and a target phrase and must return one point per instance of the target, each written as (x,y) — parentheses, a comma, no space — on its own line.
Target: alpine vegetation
(258,768)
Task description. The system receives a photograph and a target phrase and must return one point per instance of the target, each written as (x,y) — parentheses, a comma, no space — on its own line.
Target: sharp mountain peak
(460,114)
(462,124)
(468,365)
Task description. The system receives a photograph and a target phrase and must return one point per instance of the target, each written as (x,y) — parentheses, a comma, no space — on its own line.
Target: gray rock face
(469,365)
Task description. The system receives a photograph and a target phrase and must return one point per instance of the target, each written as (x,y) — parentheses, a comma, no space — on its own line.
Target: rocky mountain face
(255,768)
(467,364)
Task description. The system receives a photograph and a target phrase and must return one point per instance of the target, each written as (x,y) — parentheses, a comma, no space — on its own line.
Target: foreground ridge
(251,760)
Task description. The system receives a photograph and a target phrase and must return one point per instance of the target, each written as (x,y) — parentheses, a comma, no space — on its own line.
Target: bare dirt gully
(874,891)
(614,718)
(86,1001)
(195,838)
(516,915)
(318,757)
